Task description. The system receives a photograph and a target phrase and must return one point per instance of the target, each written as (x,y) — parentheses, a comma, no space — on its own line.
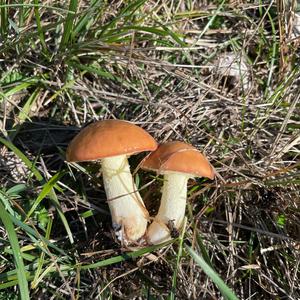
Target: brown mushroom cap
(178,157)
(109,138)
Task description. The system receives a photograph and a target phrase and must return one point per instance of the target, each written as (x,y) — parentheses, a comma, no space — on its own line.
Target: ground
(221,75)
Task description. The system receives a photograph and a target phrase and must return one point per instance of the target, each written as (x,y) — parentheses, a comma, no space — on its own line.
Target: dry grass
(176,86)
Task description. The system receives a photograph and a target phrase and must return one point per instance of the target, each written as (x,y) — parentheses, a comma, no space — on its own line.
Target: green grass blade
(36,237)
(10,276)
(21,273)
(125,29)
(210,22)
(203,249)
(54,200)
(22,86)
(68,24)
(39,26)
(173,35)
(126,13)
(94,70)
(172,295)
(224,289)
(21,14)
(199,239)
(96,6)
(4,197)
(45,191)
(16,189)
(4,19)
(123,257)
(24,112)
(41,259)
(25,256)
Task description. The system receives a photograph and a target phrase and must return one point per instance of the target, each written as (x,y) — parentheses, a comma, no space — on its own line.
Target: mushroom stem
(172,208)
(126,205)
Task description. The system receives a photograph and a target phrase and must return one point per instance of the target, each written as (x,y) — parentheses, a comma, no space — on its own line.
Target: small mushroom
(112,141)
(178,162)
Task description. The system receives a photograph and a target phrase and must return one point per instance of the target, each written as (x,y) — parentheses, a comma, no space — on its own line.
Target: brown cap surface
(109,138)
(179,157)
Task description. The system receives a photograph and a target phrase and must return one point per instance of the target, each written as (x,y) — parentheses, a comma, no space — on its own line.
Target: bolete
(112,142)
(178,162)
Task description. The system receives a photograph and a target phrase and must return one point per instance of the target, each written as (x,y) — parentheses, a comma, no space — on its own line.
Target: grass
(20,270)
(156,64)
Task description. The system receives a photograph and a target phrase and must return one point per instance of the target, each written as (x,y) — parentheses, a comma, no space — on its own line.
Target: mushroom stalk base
(129,215)
(172,208)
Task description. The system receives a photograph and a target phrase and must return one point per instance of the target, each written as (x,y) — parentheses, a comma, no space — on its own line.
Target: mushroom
(178,162)
(112,141)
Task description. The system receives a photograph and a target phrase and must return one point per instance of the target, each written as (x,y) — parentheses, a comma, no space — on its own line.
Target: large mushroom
(112,141)
(178,162)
